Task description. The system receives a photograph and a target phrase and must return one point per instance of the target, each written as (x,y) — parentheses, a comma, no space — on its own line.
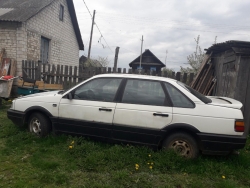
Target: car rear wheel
(183,144)
(39,124)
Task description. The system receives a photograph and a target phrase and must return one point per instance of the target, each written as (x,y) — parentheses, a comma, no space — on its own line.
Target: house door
(44,52)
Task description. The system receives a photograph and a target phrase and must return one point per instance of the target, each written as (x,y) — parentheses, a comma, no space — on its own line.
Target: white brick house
(45,30)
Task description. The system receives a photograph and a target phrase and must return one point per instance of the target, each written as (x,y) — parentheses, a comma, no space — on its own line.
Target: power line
(97,26)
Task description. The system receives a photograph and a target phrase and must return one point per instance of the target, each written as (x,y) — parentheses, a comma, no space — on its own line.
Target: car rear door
(90,111)
(142,112)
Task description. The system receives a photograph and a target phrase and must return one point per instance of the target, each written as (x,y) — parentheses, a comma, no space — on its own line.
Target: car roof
(148,77)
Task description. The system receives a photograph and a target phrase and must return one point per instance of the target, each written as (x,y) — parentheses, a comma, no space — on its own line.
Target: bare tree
(195,59)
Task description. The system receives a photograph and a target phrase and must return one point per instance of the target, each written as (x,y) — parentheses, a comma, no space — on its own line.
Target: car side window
(178,98)
(143,92)
(101,89)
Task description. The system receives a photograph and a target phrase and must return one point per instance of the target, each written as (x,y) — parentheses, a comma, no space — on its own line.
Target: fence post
(178,76)
(184,80)
(191,77)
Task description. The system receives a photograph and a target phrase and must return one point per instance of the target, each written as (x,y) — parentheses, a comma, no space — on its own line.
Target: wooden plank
(173,75)
(184,79)
(191,78)
(203,64)
(200,79)
(74,75)
(204,77)
(70,78)
(119,70)
(109,70)
(114,70)
(212,87)
(178,76)
(57,73)
(48,80)
(208,85)
(29,69)
(124,71)
(130,71)
(229,53)
(38,71)
(203,86)
(13,67)
(53,74)
(65,80)
(4,69)
(61,77)
(229,59)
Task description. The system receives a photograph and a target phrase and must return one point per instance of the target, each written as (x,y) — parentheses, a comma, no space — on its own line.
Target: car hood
(225,102)
(49,93)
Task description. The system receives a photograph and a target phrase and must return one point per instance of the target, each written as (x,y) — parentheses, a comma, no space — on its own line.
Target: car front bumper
(221,144)
(16,117)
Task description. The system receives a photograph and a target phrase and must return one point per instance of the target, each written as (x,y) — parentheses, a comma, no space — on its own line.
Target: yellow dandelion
(151,167)
(223,177)
(72,142)
(136,165)
(152,163)
(148,163)
(136,168)
(149,155)
(70,147)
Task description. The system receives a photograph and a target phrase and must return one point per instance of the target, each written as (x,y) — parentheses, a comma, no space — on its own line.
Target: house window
(61,12)
(44,52)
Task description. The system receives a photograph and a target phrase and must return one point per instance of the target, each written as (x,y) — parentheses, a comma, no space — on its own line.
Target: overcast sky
(166,25)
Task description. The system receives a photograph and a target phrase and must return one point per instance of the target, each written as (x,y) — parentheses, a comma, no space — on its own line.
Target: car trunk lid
(225,102)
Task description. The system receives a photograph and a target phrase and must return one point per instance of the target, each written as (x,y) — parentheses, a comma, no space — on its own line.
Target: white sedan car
(147,110)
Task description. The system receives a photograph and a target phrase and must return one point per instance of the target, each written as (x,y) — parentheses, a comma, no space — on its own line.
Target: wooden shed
(149,62)
(231,64)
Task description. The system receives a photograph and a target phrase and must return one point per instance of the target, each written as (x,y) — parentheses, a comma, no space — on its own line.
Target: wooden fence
(69,76)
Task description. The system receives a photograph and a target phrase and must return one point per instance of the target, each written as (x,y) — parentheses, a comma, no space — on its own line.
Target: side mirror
(69,96)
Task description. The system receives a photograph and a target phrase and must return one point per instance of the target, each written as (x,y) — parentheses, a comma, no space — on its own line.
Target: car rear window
(200,96)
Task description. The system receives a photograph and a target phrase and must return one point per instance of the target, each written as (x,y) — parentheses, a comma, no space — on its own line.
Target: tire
(39,124)
(183,144)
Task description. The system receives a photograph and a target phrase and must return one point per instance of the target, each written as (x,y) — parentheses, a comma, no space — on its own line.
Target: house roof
(22,10)
(148,58)
(220,47)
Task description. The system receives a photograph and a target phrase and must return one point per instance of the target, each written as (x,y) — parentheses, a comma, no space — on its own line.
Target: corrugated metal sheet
(220,47)
(5,10)
(22,9)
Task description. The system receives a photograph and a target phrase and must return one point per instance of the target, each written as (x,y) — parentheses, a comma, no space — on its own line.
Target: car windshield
(200,96)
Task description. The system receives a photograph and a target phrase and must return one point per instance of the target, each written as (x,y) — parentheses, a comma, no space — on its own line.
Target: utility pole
(90,40)
(116,57)
(166,58)
(141,54)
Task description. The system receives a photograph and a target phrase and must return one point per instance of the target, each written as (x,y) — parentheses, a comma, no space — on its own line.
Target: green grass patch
(65,161)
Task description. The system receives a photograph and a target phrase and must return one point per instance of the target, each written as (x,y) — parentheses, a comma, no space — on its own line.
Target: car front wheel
(39,124)
(183,144)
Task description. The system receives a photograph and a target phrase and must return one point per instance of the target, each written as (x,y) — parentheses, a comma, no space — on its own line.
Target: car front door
(90,111)
(142,112)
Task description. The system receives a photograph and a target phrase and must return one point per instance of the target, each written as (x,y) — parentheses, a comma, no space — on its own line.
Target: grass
(27,161)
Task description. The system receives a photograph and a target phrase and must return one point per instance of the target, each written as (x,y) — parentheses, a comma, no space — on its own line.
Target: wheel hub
(35,126)
(181,147)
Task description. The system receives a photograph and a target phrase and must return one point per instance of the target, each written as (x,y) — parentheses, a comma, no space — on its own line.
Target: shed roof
(22,10)
(148,58)
(220,47)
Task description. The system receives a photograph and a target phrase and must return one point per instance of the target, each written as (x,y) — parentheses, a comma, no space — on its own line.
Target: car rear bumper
(16,117)
(220,144)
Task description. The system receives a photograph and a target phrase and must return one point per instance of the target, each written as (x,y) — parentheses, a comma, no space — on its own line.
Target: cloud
(165,25)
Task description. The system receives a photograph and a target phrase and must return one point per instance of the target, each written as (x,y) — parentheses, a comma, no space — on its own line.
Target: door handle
(160,114)
(105,109)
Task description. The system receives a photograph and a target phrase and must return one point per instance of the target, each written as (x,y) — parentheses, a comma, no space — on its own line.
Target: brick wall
(13,38)
(8,38)
(63,43)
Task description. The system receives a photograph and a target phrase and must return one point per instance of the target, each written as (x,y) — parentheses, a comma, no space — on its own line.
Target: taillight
(239,126)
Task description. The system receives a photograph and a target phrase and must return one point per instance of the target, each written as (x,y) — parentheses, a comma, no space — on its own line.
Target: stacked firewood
(205,80)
